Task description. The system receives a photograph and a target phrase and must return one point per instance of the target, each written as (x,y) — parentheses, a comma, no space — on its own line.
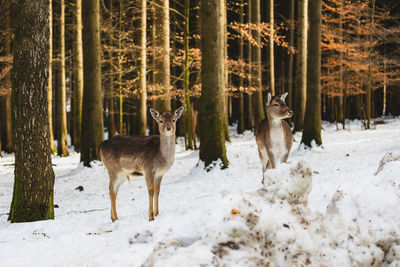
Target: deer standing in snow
(273,135)
(152,156)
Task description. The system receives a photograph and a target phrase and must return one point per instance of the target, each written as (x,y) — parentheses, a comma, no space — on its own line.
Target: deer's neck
(167,147)
(274,123)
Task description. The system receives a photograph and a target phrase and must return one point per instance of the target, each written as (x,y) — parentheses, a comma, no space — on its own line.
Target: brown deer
(273,135)
(153,156)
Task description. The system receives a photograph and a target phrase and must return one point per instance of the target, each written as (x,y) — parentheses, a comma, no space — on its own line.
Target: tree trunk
(271,48)
(256,81)
(369,90)
(62,138)
(240,125)
(162,66)
(248,103)
(291,56)
(142,109)
(301,66)
(7,109)
(50,81)
(92,116)
(78,76)
(312,121)
(226,74)
(34,177)
(189,143)
(211,117)
(112,129)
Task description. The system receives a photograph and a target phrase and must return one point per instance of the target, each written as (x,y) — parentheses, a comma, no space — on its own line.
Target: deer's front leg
(150,187)
(157,192)
(272,159)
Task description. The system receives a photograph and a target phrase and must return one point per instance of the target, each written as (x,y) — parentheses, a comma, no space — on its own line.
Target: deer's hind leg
(115,182)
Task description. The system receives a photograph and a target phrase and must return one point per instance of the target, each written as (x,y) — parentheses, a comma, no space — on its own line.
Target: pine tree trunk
(34,177)
(291,55)
(162,66)
(256,81)
(248,103)
(369,90)
(301,65)
(142,109)
(112,129)
(211,115)
(50,81)
(92,117)
(189,143)
(312,121)
(62,138)
(240,125)
(271,48)
(78,76)
(226,74)
(120,58)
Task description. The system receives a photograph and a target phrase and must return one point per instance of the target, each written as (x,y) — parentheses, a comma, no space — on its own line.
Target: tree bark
(211,116)
(142,109)
(92,117)
(369,90)
(162,66)
(256,81)
(78,77)
(301,66)
(312,121)
(34,177)
(248,103)
(62,138)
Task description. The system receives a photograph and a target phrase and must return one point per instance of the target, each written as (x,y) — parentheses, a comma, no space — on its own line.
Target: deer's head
(166,120)
(276,107)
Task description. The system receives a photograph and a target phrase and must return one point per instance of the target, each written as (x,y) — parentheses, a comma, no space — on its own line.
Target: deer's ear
(284,96)
(154,113)
(178,112)
(269,97)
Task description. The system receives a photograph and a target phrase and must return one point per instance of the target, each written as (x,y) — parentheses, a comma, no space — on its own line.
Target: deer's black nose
(290,113)
(169,128)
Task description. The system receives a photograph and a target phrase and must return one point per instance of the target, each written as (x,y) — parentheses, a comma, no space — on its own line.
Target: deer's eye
(161,121)
(275,105)
(173,120)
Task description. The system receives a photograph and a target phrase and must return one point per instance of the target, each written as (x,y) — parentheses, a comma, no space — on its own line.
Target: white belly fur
(278,148)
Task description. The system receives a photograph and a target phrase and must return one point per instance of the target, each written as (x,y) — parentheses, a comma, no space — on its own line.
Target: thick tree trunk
(50,81)
(142,107)
(78,77)
(312,121)
(291,56)
(301,65)
(62,134)
(92,116)
(34,177)
(256,81)
(211,116)
(162,66)
(271,48)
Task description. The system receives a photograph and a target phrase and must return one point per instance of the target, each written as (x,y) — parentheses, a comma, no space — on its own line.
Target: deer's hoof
(114,219)
(156,213)
(151,218)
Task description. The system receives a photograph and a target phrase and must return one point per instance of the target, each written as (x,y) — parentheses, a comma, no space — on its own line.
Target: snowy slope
(196,226)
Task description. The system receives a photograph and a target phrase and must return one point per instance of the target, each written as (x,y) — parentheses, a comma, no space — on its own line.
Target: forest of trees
(90,69)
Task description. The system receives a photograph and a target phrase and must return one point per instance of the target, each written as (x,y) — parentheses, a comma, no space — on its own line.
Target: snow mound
(388,157)
(292,182)
(273,226)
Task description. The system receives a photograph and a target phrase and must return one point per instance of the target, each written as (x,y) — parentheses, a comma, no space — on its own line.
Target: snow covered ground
(225,217)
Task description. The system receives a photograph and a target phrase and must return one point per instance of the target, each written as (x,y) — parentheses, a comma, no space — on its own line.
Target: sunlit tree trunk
(248,103)
(142,107)
(301,65)
(312,121)
(92,117)
(62,134)
(120,58)
(112,129)
(271,48)
(162,43)
(50,81)
(369,90)
(78,76)
(211,116)
(256,81)
(34,177)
